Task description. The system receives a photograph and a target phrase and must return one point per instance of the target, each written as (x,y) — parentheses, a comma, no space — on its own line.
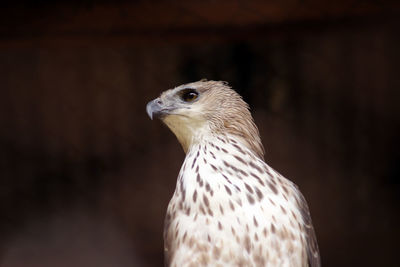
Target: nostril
(159,102)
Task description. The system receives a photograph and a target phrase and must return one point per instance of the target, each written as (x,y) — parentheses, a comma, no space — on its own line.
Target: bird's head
(196,110)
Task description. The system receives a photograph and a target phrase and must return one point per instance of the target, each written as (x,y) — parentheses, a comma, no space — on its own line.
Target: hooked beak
(154,108)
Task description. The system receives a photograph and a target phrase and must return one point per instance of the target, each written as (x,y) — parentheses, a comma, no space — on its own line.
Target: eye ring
(189,95)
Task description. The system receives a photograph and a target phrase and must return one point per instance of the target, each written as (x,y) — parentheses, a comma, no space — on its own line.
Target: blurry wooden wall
(84,171)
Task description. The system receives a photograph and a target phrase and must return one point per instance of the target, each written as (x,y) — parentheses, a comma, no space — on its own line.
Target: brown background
(85,176)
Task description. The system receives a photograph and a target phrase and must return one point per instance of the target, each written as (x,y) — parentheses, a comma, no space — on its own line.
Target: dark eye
(189,95)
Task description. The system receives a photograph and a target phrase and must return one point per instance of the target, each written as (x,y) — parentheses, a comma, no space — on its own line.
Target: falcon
(229,208)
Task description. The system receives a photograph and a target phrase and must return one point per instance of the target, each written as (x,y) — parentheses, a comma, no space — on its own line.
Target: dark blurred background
(86,176)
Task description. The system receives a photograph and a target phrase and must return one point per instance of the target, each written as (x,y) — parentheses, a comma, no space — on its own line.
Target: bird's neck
(221,144)
(189,132)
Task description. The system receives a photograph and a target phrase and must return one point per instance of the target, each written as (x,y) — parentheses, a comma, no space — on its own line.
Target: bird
(229,208)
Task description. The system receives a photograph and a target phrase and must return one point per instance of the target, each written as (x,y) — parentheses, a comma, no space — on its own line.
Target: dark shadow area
(86,176)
